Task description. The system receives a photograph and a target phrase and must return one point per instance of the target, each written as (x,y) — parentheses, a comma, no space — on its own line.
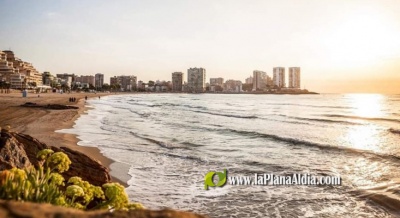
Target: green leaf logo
(208,179)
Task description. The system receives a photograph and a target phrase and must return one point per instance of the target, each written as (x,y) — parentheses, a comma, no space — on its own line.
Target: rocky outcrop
(19,150)
(12,152)
(85,167)
(14,209)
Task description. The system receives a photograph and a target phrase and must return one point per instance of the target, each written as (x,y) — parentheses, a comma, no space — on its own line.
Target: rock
(19,150)
(12,152)
(49,106)
(15,209)
(85,167)
(60,107)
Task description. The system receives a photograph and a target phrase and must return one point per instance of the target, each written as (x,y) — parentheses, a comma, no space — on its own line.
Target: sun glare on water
(365,137)
(366,105)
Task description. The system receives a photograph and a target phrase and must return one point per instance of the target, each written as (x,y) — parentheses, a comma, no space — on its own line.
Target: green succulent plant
(43,185)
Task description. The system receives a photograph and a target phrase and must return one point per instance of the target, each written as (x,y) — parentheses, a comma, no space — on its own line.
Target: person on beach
(99,97)
(85,98)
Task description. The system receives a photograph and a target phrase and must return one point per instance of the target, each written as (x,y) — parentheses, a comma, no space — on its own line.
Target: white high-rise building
(294,77)
(279,77)
(196,79)
(259,78)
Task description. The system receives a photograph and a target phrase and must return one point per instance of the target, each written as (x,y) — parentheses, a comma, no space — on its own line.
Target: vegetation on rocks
(45,184)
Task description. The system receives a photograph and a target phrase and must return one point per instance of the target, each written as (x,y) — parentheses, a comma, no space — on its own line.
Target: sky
(341,45)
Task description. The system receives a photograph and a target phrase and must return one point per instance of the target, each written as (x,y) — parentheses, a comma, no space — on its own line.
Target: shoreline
(43,123)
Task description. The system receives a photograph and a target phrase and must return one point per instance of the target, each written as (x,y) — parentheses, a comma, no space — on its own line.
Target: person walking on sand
(99,97)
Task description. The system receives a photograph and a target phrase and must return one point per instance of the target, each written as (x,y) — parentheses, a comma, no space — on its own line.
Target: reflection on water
(363,138)
(366,105)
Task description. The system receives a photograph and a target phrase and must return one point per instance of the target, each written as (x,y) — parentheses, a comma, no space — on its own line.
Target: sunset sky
(340,45)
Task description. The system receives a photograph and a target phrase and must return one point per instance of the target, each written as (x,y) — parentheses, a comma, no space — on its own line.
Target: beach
(163,144)
(42,123)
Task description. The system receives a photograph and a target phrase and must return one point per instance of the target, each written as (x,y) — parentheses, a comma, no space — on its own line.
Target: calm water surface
(170,141)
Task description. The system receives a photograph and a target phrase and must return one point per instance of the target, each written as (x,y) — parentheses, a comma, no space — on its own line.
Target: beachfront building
(48,79)
(114,81)
(6,68)
(216,81)
(141,86)
(162,86)
(127,83)
(259,80)
(177,81)
(196,79)
(233,86)
(216,84)
(88,79)
(99,80)
(32,78)
(18,81)
(66,76)
(65,80)
(124,83)
(294,77)
(279,77)
(249,80)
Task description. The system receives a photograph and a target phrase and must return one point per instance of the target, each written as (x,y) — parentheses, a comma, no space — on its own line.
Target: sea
(169,142)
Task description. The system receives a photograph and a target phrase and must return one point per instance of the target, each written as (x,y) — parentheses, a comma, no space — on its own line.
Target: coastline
(43,123)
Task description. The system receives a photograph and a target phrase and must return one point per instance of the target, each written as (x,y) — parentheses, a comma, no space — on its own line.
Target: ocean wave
(276,138)
(139,113)
(320,120)
(168,104)
(191,144)
(154,141)
(141,104)
(363,118)
(226,115)
(386,195)
(185,105)
(299,142)
(168,145)
(314,106)
(225,149)
(184,157)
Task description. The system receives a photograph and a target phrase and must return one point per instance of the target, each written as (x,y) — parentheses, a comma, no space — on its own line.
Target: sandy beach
(42,123)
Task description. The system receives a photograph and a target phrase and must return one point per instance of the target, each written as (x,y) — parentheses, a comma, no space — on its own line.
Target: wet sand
(42,123)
